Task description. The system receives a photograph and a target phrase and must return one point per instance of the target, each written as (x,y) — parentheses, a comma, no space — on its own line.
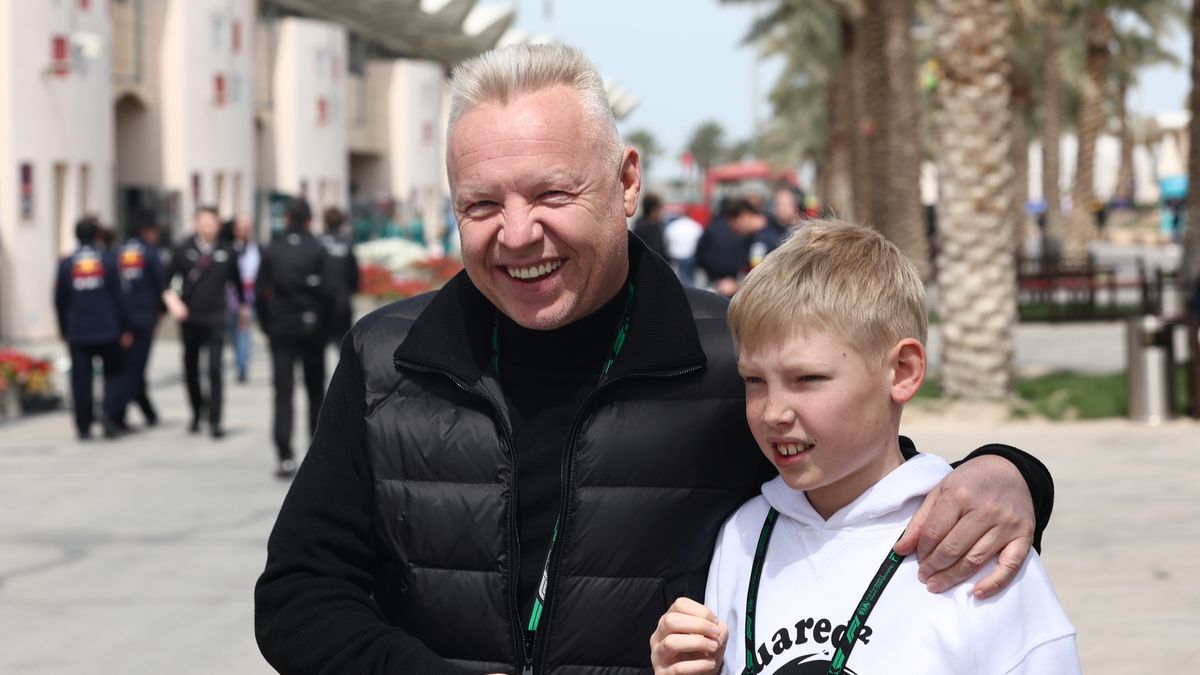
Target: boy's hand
(689,640)
(982,508)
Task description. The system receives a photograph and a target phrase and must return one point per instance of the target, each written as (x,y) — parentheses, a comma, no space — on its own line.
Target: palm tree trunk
(1021,102)
(838,194)
(1191,242)
(903,209)
(875,125)
(1081,224)
(860,154)
(1125,172)
(976,275)
(1052,124)
(839,165)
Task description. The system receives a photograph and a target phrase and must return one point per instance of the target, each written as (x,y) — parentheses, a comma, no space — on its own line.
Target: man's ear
(907,366)
(631,180)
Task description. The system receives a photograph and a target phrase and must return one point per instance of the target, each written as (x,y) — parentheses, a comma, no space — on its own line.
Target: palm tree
(815,113)
(1052,119)
(1134,50)
(976,276)
(707,144)
(1028,65)
(904,213)
(1191,243)
(1099,36)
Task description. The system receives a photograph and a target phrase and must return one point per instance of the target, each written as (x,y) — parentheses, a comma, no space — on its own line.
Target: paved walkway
(139,556)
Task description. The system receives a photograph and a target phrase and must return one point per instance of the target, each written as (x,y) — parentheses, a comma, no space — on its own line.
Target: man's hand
(689,640)
(982,508)
(175,307)
(126,340)
(244,317)
(726,286)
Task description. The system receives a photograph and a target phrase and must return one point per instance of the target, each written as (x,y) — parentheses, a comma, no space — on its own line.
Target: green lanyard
(887,569)
(539,599)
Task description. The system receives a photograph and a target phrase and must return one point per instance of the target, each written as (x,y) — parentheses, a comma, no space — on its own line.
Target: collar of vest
(452,333)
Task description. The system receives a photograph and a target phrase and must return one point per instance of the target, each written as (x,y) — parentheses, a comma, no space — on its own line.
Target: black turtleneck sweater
(546,377)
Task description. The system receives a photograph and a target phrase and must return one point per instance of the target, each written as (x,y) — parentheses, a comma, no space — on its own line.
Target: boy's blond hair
(835,276)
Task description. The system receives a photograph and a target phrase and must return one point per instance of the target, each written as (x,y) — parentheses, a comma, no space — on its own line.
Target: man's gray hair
(499,75)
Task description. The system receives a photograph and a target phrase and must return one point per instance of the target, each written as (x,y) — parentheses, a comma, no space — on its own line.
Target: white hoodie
(816,572)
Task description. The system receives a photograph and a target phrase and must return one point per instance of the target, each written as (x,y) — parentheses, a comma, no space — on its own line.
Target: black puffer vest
(658,457)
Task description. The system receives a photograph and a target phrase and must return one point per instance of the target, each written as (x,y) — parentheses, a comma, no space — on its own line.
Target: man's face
(747,223)
(541,209)
(207,226)
(785,207)
(821,413)
(241,229)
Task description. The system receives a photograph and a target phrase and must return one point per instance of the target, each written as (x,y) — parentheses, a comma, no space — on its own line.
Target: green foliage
(707,144)
(1071,396)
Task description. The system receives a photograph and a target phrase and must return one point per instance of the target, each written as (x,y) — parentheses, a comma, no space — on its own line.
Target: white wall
(205,137)
(49,121)
(415,140)
(310,155)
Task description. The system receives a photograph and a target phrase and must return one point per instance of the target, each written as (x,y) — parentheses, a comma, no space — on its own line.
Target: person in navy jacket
(143,280)
(94,321)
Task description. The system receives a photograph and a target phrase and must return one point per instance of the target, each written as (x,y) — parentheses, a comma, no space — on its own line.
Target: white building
(56,147)
(184,98)
(302,124)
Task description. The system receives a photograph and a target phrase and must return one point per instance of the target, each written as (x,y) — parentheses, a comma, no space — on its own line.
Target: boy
(830,331)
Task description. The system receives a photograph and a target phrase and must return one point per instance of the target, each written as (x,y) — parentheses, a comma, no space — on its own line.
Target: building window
(322,111)
(218,31)
(236,36)
(60,55)
(196,188)
(219,90)
(84,4)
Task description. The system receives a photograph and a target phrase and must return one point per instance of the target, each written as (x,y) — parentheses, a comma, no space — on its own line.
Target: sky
(684,61)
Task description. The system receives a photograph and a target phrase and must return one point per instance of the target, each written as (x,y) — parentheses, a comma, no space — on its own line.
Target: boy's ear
(908,369)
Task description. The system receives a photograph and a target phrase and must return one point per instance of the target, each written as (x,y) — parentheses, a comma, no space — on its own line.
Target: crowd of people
(110,297)
(741,233)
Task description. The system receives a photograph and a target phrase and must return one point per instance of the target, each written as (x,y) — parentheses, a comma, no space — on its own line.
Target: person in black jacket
(341,275)
(292,304)
(521,471)
(143,282)
(94,321)
(205,268)
(649,227)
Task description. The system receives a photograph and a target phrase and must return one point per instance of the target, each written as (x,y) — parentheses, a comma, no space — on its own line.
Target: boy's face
(822,414)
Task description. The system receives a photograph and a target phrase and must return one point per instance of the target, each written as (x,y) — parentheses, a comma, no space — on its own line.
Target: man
(142,280)
(649,227)
(734,243)
(522,470)
(248,259)
(341,277)
(205,267)
(291,304)
(786,209)
(94,322)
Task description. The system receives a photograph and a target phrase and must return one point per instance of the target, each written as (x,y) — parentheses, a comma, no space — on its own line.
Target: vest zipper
(541,636)
(521,649)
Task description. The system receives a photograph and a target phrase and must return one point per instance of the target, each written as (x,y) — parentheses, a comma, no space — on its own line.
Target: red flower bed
(378,282)
(23,371)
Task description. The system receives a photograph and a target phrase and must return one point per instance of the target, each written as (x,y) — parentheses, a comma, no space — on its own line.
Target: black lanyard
(539,599)
(887,569)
